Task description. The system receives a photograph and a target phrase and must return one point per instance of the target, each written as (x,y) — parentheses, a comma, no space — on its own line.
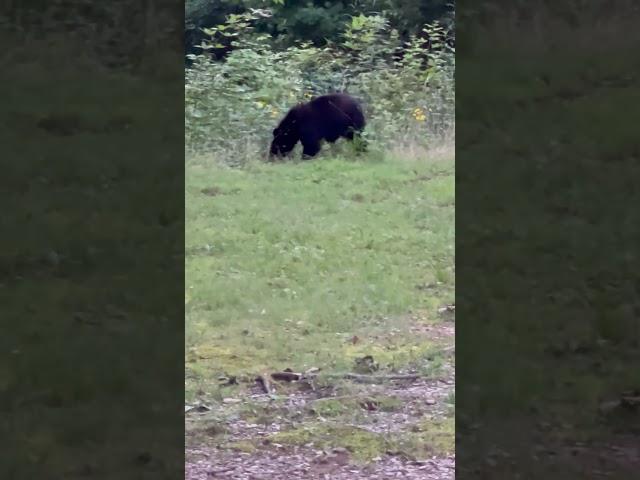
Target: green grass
(287,262)
(572,227)
(553,326)
(75,259)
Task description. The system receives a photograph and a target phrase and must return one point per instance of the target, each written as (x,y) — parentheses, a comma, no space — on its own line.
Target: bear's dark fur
(328,117)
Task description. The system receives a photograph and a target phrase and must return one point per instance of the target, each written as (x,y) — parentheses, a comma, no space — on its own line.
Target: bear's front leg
(311,147)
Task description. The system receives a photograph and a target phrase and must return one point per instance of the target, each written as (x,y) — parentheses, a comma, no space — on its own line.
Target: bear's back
(336,110)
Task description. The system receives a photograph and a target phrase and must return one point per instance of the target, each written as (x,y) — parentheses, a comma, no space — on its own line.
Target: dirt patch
(211,191)
(215,191)
(437,331)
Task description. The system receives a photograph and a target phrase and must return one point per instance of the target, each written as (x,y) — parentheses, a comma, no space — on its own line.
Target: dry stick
(264,383)
(356,377)
(360,378)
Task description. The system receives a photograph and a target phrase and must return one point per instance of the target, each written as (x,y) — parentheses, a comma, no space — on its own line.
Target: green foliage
(320,21)
(232,106)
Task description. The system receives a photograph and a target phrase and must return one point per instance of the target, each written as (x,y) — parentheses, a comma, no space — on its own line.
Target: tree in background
(315,21)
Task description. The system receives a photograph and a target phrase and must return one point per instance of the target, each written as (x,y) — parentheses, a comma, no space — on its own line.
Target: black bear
(328,117)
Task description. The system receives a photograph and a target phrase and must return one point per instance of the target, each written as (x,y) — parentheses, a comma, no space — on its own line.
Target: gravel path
(306,463)
(419,400)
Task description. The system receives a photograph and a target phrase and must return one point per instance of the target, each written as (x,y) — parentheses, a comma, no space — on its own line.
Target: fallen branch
(361,378)
(287,376)
(264,383)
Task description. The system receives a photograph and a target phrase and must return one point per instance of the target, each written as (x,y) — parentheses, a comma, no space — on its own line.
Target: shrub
(232,105)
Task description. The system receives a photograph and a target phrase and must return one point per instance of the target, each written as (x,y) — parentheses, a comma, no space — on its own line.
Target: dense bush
(232,105)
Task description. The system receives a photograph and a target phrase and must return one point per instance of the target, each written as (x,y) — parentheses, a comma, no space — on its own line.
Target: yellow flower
(261,104)
(274,112)
(308,95)
(419,114)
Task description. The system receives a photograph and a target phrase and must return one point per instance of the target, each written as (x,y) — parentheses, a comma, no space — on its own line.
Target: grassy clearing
(316,264)
(286,263)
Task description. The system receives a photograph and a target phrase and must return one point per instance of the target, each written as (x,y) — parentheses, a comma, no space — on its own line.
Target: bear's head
(285,136)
